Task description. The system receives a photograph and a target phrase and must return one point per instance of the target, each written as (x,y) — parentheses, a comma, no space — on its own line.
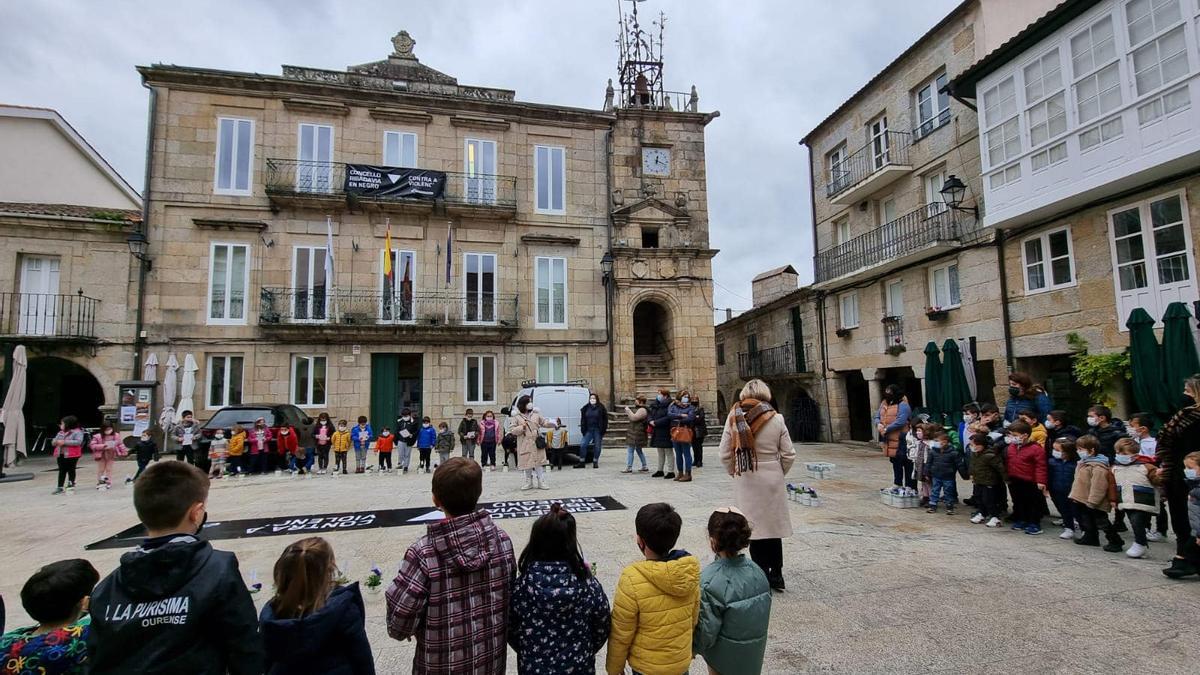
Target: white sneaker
(1067,533)
(977,518)
(1136,551)
(1153,535)
(994,522)
(543,484)
(528,485)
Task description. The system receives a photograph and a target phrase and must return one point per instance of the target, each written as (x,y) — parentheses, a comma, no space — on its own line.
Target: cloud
(774,68)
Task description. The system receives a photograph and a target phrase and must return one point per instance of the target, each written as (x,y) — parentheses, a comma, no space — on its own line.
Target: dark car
(275,414)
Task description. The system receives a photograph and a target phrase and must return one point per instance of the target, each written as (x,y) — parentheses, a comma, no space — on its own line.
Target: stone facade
(605,204)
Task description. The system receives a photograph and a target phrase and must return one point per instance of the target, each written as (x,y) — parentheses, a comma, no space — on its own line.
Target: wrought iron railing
(893,333)
(317,179)
(906,234)
(785,359)
(888,149)
(376,308)
(48,315)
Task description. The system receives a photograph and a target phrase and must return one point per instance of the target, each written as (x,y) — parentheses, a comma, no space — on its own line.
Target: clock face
(656,161)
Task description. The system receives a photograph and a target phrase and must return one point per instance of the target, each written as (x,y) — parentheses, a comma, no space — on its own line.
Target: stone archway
(57,388)
(653,339)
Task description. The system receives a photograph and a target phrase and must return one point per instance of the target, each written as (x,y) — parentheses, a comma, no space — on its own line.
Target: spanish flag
(387,251)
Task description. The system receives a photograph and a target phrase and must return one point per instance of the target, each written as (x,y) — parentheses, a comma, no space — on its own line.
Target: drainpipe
(1004,317)
(139,324)
(825,365)
(612,281)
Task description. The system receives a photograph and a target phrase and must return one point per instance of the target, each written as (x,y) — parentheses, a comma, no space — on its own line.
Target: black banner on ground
(386,181)
(362,520)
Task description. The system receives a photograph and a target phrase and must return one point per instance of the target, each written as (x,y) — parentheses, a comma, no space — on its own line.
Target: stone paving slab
(871,589)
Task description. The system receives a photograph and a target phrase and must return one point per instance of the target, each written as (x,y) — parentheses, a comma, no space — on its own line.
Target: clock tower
(661,283)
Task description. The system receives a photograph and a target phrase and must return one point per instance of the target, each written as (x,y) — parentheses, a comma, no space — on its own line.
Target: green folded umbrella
(1179,354)
(1145,362)
(955,391)
(933,383)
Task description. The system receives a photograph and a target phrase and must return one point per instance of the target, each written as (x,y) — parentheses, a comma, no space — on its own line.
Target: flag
(449,249)
(387,251)
(329,250)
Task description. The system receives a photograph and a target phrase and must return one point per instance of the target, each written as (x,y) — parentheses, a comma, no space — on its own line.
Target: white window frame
(309,394)
(1080,76)
(949,295)
(537,290)
(313,269)
(1054,55)
(227,321)
(940,115)
(541,173)
(1103,128)
(851,296)
(934,181)
(1157,105)
(480,186)
(551,360)
(319,179)
(1047,156)
(1046,263)
(890,307)
(466,373)
(232,190)
(1156,44)
(841,230)
(1150,253)
(401,136)
(479,293)
(227,359)
(397,278)
(834,160)
(879,140)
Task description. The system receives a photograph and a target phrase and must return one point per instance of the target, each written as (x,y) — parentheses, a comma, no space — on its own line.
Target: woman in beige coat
(527,425)
(756,450)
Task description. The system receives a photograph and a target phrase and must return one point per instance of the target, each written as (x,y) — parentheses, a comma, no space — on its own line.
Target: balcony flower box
(843,332)
(936,313)
(896,349)
(890,319)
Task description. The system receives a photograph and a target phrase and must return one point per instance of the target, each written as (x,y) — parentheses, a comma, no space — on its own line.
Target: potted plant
(843,332)
(374,580)
(890,319)
(896,348)
(936,313)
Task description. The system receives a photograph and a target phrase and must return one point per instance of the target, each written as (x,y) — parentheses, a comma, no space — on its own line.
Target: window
(933,106)
(315,152)
(481,379)
(721,354)
(1098,81)
(1151,250)
(1004,142)
(1000,103)
(752,344)
(1047,119)
(1162,61)
(308,283)
(943,286)
(1098,94)
(550,177)
(480,280)
(228,277)
(400,149)
(551,288)
(877,135)
(835,161)
(1048,157)
(1004,127)
(308,381)
(842,228)
(1147,18)
(1047,261)
(893,295)
(848,303)
(649,237)
(1101,133)
(479,163)
(37,314)
(224,381)
(934,203)
(1007,176)
(1093,47)
(397,297)
(1164,105)
(235,156)
(1043,77)
(552,368)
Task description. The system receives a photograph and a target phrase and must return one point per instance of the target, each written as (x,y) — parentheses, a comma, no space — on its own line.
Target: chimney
(729,313)
(773,284)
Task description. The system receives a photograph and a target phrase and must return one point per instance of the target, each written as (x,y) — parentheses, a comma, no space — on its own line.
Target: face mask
(976,448)
(145,439)
(283,432)
(936,445)
(1057,454)
(1092,420)
(1133,433)
(661,398)
(1050,424)
(1014,391)
(1010,439)
(1124,459)
(386,433)
(341,427)
(426,425)
(1084,454)
(686,400)
(592,400)
(1191,474)
(969,418)
(220,435)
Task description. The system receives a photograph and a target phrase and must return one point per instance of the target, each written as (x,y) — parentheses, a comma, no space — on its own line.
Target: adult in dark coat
(1178,437)
(699,431)
(660,435)
(593,424)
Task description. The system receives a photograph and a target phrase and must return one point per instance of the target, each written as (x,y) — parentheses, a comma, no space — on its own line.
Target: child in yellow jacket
(341,446)
(236,451)
(657,602)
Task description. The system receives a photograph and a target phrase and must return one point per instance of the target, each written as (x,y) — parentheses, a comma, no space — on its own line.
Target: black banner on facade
(362,520)
(386,181)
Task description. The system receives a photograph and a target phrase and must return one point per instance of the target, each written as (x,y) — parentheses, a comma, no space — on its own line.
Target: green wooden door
(385,393)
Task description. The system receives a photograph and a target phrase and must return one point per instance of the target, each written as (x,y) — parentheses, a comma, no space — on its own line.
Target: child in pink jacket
(259,438)
(106,447)
(68,447)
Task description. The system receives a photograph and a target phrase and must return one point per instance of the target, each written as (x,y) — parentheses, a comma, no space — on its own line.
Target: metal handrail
(48,315)
(378,308)
(307,178)
(780,360)
(893,331)
(890,149)
(908,233)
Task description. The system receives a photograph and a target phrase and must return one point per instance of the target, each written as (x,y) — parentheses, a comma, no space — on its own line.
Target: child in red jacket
(1027,476)
(383,447)
(287,445)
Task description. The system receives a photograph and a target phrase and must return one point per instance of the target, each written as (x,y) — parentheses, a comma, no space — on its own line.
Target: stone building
(66,274)
(564,243)
(773,342)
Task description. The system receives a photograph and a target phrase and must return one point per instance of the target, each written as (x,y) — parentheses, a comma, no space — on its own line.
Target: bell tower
(662,263)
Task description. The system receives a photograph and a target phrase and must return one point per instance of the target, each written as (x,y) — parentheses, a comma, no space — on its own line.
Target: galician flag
(387,251)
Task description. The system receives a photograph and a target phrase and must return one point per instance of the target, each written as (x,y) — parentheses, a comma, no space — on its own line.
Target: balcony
(42,317)
(893,335)
(774,363)
(320,185)
(447,317)
(871,168)
(906,240)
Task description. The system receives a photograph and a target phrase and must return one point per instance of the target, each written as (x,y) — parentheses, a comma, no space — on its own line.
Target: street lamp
(953,192)
(606,267)
(138,244)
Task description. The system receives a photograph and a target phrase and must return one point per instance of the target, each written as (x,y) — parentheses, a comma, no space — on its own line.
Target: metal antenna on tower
(640,65)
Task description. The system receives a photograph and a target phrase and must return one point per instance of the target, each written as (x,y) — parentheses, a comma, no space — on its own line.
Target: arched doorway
(804,417)
(654,362)
(57,388)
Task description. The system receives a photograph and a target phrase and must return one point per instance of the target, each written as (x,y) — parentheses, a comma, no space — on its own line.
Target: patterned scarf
(745,420)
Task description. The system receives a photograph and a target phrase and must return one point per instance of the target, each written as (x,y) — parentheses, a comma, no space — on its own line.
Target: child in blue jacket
(360,438)
(1061,467)
(426,439)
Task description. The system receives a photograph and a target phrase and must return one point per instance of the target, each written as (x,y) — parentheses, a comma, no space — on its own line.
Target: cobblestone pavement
(871,589)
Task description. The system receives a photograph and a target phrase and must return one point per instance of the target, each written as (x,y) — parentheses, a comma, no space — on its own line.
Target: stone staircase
(651,372)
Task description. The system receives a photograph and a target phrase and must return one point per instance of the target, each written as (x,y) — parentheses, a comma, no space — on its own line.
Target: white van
(555,401)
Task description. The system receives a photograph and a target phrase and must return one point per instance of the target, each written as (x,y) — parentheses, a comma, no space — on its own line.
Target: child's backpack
(509,442)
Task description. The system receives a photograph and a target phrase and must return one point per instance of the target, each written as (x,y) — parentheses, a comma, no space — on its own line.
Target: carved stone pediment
(651,210)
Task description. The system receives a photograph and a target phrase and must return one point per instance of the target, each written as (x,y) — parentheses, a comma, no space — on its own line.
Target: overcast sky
(773,68)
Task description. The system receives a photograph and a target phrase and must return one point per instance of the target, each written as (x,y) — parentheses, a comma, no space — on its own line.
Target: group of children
(1087,476)
(164,599)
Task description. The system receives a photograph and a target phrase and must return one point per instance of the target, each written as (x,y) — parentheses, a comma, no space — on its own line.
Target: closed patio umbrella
(14,416)
(933,382)
(1145,363)
(150,369)
(170,384)
(968,363)
(1180,360)
(187,388)
(955,392)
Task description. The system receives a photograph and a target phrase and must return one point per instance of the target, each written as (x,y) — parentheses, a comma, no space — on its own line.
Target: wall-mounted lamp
(138,245)
(953,192)
(606,267)
(267,241)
